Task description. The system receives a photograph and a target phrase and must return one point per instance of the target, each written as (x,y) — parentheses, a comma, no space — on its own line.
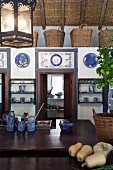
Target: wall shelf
(22,91)
(22,103)
(88,93)
(90,102)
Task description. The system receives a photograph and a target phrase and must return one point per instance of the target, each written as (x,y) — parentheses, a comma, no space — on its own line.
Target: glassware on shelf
(86,99)
(96,99)
(32,100)
(22,99)
(12,100)
(59,94)
(22,89)
(92,88)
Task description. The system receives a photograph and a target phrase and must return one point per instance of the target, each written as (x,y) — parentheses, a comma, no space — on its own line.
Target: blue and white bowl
(66,126)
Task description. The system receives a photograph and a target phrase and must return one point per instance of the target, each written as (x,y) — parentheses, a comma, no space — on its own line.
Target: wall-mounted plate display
(56,60)
(51,60)
(22,60)
(1,63)
(1,56)
(90,60)
(3,60)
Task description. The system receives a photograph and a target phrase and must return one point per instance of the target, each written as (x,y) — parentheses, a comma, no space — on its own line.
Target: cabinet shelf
(55,106)
(55,98)
(21,83)
(23,103)
(90,102)
(30,92)
(22,91)
(88,93)
(56,109)
(88,81)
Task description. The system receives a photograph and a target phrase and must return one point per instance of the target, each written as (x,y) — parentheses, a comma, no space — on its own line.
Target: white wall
(85,110)
(83,71)
(23,73)
(28,72)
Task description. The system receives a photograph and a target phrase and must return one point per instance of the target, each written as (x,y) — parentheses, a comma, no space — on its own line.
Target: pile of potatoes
(91,156)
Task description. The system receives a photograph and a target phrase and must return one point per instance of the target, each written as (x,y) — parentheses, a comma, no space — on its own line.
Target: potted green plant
(105,69)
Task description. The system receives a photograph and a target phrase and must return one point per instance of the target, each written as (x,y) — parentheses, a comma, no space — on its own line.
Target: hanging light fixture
(16,22)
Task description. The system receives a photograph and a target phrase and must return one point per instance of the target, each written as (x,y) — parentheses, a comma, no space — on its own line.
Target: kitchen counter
(45,149)
(47,140)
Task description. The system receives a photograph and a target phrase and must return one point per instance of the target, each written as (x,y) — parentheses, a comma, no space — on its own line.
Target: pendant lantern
(16,23)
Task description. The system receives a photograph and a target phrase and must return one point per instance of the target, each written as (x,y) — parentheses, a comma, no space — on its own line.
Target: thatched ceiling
(73,13)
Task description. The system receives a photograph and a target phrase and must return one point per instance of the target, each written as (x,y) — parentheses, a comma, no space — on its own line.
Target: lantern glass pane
(7,18)
(24,19)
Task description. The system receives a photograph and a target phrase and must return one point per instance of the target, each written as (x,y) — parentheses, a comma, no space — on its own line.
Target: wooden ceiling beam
(62,14)
(82,12)
(43,19)
(102,14)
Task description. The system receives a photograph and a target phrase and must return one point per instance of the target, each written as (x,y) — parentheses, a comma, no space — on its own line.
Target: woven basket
(104,36)
(104,126)
(54,38)
(35,38)
(81,37)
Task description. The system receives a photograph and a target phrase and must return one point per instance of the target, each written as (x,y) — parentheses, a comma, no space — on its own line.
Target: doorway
(56,91)
(55,95)
(3,93)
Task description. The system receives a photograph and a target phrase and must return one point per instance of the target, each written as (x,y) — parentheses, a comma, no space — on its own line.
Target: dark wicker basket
(54,38)
(104,38)
(104,126)
(35,38)
(81,37)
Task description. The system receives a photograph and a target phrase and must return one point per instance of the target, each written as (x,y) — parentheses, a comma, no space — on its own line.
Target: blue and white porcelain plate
(22,60)
(90,60)
(56,60)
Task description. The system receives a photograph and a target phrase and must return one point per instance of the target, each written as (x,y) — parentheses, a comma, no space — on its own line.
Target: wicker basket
(54,38)
(81,37)
(104,126)
(104,36)
(35,38)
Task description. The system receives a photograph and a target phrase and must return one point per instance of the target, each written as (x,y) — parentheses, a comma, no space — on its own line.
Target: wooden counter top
(44,140)
(36,163)
(43,149)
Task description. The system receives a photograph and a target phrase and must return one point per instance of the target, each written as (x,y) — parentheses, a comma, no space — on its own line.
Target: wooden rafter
(62,14)
(102,14)
(43,20)
(82,11)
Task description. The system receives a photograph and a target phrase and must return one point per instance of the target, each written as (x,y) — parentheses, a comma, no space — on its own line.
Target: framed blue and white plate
(90,60)
(22,60)
(56,60)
